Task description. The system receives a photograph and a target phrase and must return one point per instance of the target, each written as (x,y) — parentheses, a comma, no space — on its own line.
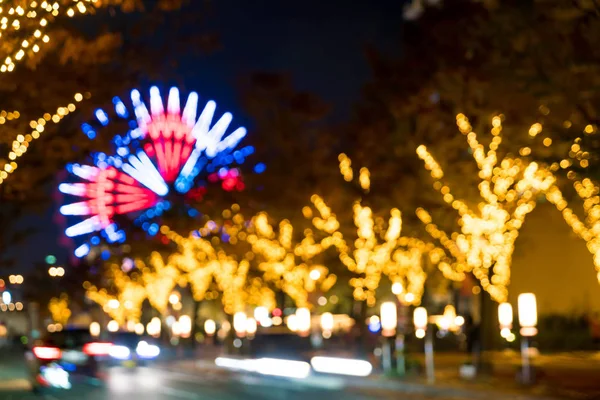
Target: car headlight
(146,350)
(119,352)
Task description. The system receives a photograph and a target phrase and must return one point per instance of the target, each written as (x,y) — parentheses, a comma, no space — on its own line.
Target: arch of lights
(163,153)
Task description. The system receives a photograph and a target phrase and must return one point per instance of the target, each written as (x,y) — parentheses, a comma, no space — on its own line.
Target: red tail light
(47,353)
(97,349)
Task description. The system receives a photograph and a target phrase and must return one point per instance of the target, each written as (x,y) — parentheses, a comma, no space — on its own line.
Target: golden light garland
(485,243)
(40,14)
(22,142)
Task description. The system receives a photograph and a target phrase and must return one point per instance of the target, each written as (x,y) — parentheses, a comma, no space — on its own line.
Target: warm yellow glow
(377,249)
(210,327)
(154,327)
(251,326)
(303,320)
(139,329)
(113,326)
(420,318)
(95,329)
(59,309)
(527,310)
(174,298)
(327,321)
(505,315)
(389,318)
(185,326)
(19,148)
(239,322)
(397,288)
(486,240)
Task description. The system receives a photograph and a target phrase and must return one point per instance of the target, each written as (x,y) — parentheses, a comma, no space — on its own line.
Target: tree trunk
(195,328)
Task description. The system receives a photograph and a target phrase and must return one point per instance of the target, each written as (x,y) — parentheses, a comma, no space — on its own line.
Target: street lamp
(239,323)
(113,326)
(251,327)
(185,326)
(389,319)
(528,321)
(303,321)
(421,321)
(389,322)
(95,329)
(327,324)
(139,329)
(210,327)
(505,318)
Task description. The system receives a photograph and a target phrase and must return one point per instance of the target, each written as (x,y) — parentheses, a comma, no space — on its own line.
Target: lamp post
(389,323)
(528,322)
(327,324)
(421,321)
(239,323)
(505,318)
(303,321)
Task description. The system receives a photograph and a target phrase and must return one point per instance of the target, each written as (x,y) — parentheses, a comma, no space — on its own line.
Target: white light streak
(341,366)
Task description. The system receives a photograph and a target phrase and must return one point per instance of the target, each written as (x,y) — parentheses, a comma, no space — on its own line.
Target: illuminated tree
(59,309)
(205,261)
(587,190)
(375,249)
(124,301)
(288,263)
(484,243)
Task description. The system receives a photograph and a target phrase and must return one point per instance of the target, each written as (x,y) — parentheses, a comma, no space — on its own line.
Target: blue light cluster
(120,108)
(113,235)
(260,168)
(88,130)
(102,116)
(148,215)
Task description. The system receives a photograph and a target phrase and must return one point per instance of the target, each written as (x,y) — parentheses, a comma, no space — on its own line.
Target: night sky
(318,43)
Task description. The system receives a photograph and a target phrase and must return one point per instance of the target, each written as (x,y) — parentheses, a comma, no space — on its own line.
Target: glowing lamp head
(185,326)
(389,318)
(95,329)
(239,323)
(420,318)
(505,315)
(139,328)
(327,322)
(210,327)
(251,326)
(261,314)
(303,320)
(113,326)
(527,314)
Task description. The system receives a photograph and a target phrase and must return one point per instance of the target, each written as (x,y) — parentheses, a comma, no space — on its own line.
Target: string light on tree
(376,250)
(508,188)
(22,142)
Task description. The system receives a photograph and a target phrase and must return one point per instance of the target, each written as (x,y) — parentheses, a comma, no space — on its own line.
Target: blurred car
(130,349)
(60,358)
